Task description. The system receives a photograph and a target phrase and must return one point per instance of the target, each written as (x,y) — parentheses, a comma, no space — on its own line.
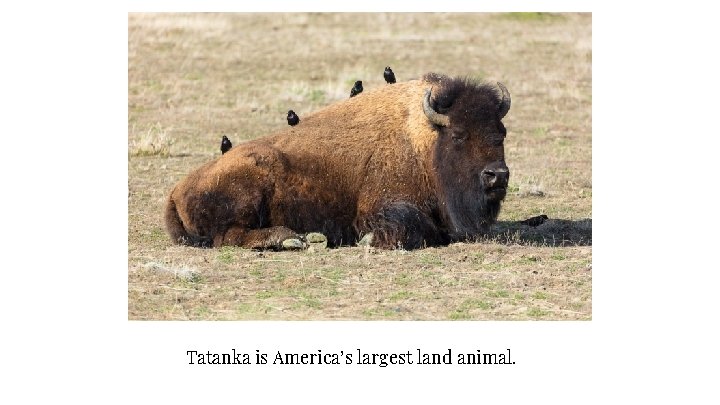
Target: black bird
(292,118)
(357,89)
(535,221)
(225,145)
(389,75)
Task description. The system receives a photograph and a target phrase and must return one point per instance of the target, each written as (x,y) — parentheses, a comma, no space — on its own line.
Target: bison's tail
(178,233)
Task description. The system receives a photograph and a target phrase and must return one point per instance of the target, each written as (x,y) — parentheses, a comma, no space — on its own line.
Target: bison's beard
(470,211)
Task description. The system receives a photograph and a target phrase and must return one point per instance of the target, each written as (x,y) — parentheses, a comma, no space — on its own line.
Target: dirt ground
(196,77)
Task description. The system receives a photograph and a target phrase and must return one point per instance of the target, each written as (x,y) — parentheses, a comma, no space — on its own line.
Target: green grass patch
(480,305)
(153,85)
(430,260)
(448,282)
(528,260)
(265,294)
(335,274)
(473,303)
(226,254)
(373,312)
(309,301)
(493,266)
(257,271)
(477,259)
(536,312)
(280,275)
(202,311)
(428,274)
(540,132)
(137,109)
(157,235)
(539,295)
(190,280)
(562,142)
(463,311)
(400,295)
(402,279)
(193,76)
(498,294)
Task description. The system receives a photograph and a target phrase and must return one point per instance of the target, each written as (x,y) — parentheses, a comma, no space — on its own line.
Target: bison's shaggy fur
(373,163)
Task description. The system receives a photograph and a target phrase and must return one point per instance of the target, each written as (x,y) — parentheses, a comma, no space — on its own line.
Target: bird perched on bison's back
(389,75)
(357,89)
(225,145)
(292,118)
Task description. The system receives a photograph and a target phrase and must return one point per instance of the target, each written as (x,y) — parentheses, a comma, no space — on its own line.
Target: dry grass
(196,77)
(152,141)
(462,281)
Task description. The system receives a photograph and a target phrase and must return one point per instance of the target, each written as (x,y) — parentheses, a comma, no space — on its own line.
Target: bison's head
(469,154)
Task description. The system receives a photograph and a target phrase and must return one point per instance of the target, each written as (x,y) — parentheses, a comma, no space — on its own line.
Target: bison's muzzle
(495,177)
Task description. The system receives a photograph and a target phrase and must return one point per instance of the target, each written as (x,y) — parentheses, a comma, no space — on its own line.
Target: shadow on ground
(553,232)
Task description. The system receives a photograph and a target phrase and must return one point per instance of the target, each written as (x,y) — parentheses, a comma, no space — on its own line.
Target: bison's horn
(505,103)
(434,116)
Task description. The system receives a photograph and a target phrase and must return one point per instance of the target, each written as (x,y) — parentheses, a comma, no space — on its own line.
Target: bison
(420,163)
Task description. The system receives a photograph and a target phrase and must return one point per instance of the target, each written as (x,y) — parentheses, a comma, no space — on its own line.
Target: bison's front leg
(264,238)
(400,225)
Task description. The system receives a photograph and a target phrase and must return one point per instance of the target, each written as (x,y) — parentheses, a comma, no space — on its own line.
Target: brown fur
(372,163)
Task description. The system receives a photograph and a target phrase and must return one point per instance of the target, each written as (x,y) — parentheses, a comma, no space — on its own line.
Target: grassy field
(195,77)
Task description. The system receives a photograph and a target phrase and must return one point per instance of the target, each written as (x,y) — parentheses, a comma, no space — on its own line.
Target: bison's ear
(505,100)
(444,101)
(434,116)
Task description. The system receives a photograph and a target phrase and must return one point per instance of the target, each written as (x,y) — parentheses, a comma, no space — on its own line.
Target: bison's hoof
(292,244)
(366,240)
(316,240)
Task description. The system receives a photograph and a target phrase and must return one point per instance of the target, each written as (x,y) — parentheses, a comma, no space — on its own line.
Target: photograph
(359,202)
(314,166)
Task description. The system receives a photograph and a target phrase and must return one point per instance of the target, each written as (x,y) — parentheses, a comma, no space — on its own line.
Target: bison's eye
(459,136)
